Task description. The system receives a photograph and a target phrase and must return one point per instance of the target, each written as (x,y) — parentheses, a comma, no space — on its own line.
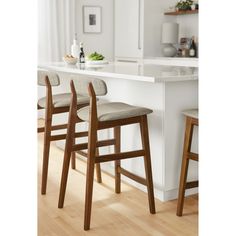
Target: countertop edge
(141,78)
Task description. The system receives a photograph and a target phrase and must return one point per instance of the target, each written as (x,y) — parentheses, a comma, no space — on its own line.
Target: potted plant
(183,5)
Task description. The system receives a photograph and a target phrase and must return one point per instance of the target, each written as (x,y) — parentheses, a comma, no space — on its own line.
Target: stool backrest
(81,85)
(191,113)
(53,78)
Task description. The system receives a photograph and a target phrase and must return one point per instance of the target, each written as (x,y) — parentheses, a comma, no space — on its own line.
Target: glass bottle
(81,55)
(192,49)
(75,47)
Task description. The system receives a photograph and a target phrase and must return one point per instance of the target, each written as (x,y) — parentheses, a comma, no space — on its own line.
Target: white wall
(188,25)
(102,42)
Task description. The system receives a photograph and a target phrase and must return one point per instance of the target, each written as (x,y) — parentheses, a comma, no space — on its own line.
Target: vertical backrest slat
(53,78)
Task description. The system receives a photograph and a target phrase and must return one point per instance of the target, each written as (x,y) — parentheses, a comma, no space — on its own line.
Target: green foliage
(184,5)
(95,57)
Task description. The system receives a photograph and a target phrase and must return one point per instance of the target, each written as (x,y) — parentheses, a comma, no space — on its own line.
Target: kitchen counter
(172,61)
(130,71)
(167,90)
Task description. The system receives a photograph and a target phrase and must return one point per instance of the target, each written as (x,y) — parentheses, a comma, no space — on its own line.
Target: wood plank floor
(112,214)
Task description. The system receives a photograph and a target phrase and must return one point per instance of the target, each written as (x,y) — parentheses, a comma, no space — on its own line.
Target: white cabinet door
(128,28)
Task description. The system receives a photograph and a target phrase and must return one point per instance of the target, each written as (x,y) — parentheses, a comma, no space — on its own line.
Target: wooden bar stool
(56,104)
(104,116)
(191,120)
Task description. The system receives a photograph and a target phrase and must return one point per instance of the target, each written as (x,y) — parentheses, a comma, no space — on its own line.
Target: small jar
(185,52)
(193,7)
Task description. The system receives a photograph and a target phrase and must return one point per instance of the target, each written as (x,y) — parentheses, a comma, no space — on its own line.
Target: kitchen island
(165,89)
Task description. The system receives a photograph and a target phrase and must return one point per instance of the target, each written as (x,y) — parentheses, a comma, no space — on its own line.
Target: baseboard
(162,195)
(173,194)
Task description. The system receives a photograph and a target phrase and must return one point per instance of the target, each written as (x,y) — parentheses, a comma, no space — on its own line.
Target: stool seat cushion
(193,113)
(114,111)
(63,100)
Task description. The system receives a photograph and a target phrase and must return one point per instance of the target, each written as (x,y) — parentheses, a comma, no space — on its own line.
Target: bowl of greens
(96,59)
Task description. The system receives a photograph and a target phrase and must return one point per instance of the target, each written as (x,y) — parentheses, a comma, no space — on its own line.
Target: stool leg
(98,168)
(89,177)
(184,168)
(117,163)
(73,158)
(147,163)
(46,150)
(182,183)
(66,162)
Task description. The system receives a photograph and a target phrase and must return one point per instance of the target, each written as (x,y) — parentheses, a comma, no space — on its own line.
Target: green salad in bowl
(95,57)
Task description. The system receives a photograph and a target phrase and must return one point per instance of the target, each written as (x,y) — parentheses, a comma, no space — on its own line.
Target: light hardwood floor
(112,214)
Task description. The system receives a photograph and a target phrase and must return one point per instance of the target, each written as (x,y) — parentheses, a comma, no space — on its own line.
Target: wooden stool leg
(89,178)
(184,168)
(73,158)
(182,183)
(98,168)
(66,163)
(147,163)
(46,150)
(117,163)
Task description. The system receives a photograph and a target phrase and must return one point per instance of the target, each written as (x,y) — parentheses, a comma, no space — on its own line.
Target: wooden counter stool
(191,120)
(56,104)
(104,116)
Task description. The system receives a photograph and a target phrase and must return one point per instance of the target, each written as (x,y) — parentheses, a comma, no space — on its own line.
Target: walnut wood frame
(187,155)
(93,156)
(50,110)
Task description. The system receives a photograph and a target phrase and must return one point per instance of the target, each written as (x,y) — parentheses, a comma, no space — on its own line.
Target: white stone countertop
(145,72)
(174,61)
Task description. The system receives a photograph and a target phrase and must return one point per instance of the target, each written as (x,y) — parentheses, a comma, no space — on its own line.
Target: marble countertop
(145,72)
(174,61)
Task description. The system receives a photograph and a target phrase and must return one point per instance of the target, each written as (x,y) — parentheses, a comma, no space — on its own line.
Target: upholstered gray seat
(114,111)
(63,100)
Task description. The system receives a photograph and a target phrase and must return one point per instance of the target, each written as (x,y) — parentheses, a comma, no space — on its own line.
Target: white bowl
(70,60)
(99,62)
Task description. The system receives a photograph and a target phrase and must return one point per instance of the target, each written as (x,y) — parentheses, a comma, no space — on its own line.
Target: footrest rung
(132,176)
(192,184)
(119,156)
(193,156)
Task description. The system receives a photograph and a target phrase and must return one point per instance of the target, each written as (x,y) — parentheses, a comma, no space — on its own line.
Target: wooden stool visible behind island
(191,121)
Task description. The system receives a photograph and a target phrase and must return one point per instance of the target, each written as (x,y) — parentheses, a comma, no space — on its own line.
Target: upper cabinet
(135,28)
(128,28)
